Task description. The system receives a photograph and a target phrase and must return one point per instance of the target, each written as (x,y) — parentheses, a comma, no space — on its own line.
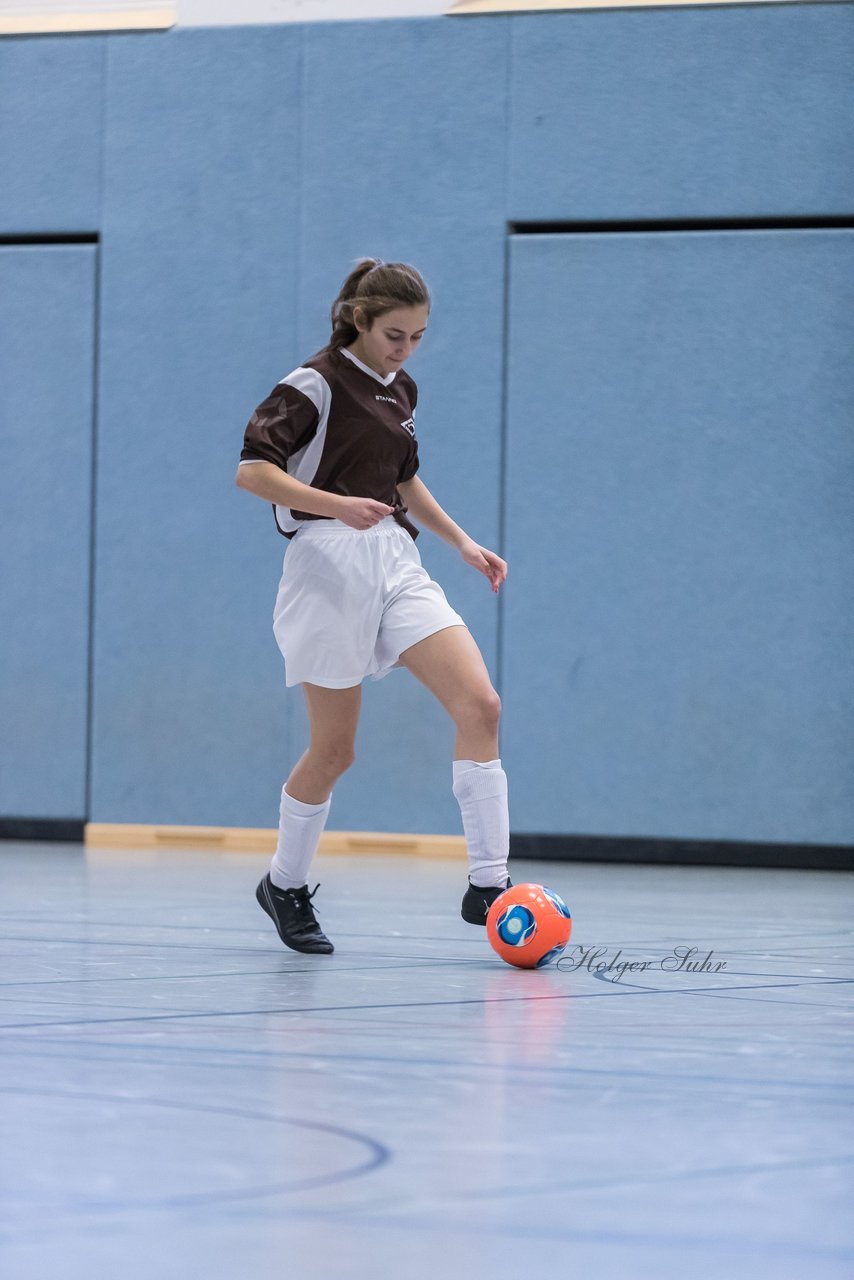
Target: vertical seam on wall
(102,161)
(93,521)
(505,359)
(300,78)
(93,465)
(289,698)
(502,465)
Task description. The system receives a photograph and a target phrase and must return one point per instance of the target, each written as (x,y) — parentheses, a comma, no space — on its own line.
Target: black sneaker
(293,915)
(476,902)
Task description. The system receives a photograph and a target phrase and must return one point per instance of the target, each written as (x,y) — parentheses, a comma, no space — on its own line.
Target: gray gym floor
(180,1095)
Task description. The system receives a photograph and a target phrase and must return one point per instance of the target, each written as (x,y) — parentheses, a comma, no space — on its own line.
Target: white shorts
(351,600)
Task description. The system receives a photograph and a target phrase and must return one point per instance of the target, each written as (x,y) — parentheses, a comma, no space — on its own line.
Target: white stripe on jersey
(303,464)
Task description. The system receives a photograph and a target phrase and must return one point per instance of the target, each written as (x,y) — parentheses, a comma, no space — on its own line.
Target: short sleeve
(281,425)
(411,464)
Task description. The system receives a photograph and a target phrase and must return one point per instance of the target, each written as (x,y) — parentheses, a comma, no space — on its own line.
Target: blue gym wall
(667,454)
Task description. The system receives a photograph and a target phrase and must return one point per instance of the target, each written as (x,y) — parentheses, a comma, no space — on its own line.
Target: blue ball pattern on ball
(516,926)
(558,902)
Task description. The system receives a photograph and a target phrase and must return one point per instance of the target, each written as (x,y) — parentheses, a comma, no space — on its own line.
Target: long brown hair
(375,287)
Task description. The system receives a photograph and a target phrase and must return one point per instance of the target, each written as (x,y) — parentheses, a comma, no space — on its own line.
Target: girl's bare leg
(307,795)
(450,664)
(333,717)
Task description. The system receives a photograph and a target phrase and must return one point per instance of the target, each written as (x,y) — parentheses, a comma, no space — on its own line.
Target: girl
(333,449)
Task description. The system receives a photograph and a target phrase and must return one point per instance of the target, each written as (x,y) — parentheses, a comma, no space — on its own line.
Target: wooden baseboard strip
(59,22)
(106,835)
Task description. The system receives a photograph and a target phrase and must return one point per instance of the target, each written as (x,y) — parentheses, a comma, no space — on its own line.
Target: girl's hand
(487,562)
(362,513)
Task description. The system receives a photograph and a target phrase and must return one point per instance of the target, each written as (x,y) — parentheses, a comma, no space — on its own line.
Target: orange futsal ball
(529,925)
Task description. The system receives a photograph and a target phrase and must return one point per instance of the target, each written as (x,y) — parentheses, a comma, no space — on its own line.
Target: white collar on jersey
(385,381)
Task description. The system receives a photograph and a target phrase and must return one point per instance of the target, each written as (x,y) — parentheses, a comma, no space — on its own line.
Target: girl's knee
(482,707)
(333,758)
(492,706)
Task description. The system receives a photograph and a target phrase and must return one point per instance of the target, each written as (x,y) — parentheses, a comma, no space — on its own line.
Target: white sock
(481,791)
(300,828)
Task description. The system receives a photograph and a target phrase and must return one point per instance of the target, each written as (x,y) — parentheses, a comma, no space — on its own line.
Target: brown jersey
(337,425)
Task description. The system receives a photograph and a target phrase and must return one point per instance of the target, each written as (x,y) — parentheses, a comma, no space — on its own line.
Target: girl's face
(391,338)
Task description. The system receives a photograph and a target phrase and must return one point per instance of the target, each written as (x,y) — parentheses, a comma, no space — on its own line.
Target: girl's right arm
(271,483)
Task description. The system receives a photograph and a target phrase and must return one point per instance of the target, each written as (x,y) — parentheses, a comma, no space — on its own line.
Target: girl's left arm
(425,510)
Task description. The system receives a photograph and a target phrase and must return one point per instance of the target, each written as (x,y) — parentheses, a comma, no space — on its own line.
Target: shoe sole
(262,893)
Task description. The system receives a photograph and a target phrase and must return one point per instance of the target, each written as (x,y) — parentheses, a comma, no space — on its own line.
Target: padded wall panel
(198,322)
(51,130)
(678,113)
(47,318)
(404,145)
(680,629)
